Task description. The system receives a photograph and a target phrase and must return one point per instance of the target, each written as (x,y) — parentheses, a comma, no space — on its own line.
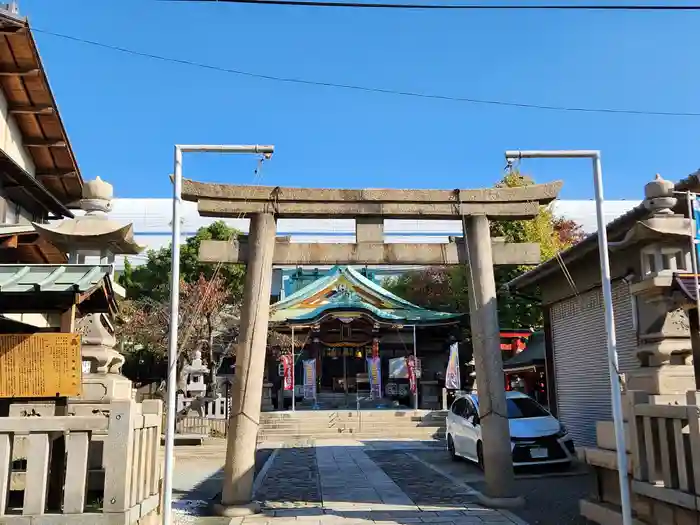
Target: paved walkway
(346,482)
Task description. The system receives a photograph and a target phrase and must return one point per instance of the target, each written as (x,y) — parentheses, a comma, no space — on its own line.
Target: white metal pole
(171,407)
(615,380)
(172,343)
(294,379)
(415,368)
(694,252)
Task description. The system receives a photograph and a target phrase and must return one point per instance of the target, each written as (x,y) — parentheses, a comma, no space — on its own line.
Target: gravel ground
(551,497)
(292,480)
(419,482)
(192,505)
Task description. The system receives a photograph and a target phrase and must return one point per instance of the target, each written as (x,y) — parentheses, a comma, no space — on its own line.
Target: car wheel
(451,449)
(480,455)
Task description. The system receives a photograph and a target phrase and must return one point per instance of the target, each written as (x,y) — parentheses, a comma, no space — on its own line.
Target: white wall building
(152,217)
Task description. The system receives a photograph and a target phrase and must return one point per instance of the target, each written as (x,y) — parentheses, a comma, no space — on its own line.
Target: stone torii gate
(261,249)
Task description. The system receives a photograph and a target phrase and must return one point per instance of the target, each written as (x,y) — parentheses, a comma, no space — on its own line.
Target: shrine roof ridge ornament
(229,200)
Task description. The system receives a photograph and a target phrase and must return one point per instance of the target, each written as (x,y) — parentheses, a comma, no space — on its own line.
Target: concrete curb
(263,471)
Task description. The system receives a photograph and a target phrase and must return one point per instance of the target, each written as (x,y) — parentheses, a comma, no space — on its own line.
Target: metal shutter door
(580,358)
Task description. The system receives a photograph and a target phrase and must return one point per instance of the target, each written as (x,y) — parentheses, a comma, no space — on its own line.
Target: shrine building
(344,317)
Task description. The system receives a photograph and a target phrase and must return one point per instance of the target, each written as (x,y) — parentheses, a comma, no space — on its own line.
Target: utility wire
(501,7)
(367,89)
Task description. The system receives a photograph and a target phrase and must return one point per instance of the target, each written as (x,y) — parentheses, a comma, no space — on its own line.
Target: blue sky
(124,112)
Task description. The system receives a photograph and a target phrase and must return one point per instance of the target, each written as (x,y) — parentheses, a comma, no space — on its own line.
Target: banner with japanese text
(411,366)
(452,377)
(374,369)
(287,364)
(310,379)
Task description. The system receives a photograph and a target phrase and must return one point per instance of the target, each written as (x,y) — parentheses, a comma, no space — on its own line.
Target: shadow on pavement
(434,489)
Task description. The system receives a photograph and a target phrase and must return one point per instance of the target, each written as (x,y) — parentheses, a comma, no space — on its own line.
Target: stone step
(350,422)
(263,436)
(603,513)
(305,437)
(309,429)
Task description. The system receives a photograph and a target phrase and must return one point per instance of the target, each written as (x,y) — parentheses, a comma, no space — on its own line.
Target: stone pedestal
(266,405)
(430,395)
(104,383)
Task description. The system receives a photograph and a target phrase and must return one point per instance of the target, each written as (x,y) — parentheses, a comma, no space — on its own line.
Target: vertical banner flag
(696,217)
(375,347)
(374,366)
(310,379)
(411,366)
(452,377)
(287,363)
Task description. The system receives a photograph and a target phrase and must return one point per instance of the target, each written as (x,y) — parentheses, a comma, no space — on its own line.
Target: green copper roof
(347,290)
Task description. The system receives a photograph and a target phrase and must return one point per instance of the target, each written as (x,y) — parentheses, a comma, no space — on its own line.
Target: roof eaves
(57,113)
(589,243)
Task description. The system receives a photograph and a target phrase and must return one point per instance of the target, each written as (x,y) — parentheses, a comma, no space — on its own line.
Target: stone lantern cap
(93,231)
(663,225)
(659,197)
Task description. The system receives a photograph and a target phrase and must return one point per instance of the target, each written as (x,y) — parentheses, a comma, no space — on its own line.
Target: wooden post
(695,343)
(68,321)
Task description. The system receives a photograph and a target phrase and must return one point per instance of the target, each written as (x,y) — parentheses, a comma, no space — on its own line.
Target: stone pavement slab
(347,482)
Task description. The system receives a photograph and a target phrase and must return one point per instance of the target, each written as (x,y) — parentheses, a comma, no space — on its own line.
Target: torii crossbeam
(261,249)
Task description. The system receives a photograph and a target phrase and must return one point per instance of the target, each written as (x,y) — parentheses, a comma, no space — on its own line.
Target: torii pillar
(239,469)
(260,250)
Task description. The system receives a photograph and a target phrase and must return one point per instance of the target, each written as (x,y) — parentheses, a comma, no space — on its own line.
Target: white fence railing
(214,409)
(130,438)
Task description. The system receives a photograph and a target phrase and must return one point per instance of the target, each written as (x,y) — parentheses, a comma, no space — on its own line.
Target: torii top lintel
(230,200)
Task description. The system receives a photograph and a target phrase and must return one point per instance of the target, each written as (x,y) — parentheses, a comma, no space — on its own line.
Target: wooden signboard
(46,365)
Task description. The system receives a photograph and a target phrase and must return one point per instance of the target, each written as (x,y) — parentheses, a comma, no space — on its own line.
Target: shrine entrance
(261,249)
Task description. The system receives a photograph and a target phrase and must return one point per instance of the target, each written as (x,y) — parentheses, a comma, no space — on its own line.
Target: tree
(206,322)
(447,288)
(152,279)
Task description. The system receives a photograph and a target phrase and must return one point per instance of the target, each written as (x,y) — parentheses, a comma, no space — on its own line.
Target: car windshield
(524,407)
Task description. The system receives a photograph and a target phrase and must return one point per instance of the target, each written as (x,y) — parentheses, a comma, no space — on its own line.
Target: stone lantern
(195,373)
(664,346)
(89,235)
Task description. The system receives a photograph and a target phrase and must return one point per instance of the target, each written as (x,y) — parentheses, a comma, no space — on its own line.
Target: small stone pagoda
(89,235)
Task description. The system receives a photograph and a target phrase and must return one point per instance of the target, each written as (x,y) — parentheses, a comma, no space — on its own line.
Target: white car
(536,436)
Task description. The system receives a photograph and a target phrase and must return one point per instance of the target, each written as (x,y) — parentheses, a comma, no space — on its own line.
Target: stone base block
(671,379)
(104,388)
(605,435)
(515,502)
(603,513)
(236,511)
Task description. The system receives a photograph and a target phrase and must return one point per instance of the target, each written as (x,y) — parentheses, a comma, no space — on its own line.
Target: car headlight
(563,432)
